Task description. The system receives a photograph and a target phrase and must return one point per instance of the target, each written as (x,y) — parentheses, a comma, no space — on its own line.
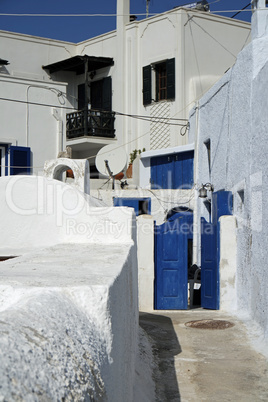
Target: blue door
(222,204)
(172,171)
(171,262)
(209,266)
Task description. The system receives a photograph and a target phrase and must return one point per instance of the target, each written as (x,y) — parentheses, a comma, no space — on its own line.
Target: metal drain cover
(209,324)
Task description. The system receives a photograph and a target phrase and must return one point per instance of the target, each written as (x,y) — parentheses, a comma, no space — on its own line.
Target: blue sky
(75,29)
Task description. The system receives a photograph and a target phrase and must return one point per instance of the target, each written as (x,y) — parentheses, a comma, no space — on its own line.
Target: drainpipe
(86,99)
(196,234)
(56,114)
(123,15)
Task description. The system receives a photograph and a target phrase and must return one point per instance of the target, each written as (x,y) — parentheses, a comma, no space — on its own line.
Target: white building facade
(87,95)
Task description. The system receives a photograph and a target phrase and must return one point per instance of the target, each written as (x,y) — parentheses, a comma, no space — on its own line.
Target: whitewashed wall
(233,116)
(70,298)
(146,274)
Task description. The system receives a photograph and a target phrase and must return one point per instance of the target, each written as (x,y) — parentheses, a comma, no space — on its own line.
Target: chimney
(259,20)
(123,13)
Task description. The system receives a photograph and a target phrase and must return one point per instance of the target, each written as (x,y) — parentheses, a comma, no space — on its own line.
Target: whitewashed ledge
(68,324)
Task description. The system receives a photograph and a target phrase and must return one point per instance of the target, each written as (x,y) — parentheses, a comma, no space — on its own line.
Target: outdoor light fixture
(203,191)
(92,74)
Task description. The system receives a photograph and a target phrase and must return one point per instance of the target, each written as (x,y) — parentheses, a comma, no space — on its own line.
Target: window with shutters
(159,82)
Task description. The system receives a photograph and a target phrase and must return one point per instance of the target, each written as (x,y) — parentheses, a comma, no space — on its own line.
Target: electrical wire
(241,10)
(154,117)
(213,37)
(107,14)
(146,118)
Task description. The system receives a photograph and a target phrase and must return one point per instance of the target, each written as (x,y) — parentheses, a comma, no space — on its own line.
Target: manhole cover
(209,324)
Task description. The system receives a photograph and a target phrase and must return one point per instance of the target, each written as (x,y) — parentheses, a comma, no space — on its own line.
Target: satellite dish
(111,157)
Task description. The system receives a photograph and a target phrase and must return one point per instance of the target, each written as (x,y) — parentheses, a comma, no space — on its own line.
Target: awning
(3,62)
(77,64)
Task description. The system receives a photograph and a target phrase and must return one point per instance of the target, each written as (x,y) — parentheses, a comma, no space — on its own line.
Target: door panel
(209,268)
(222,203)
(171,259)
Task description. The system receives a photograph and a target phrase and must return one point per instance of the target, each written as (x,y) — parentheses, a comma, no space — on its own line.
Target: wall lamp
(203,191)
(92,74)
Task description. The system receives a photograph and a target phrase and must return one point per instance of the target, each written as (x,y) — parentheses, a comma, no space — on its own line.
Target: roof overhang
(3,62)
(77,64)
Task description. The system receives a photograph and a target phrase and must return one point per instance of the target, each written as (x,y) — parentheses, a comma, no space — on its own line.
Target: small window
(208,146)
(164,82)
(161,81)
(141,205)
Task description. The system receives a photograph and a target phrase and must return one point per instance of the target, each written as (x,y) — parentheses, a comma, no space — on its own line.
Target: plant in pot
(133,155)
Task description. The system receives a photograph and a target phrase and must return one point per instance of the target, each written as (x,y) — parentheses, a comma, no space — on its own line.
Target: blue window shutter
(20,160)
(147,85)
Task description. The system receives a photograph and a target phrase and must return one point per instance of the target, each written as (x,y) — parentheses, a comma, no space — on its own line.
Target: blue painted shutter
(147,85)
(20,160)
(171,79)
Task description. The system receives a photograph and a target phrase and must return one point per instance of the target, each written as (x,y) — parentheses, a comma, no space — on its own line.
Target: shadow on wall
(165,346)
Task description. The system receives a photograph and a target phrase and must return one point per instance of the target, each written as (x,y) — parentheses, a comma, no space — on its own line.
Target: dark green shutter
(96,93)
(147,85)
(81,96)
(171,79)
(107,94)
(156,85)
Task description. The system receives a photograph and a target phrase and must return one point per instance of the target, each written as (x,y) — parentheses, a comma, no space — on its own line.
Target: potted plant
(133,155)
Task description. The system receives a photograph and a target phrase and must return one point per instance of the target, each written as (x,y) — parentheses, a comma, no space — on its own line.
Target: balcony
(90,123)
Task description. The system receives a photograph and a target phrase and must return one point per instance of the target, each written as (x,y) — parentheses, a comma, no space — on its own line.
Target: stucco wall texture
(69,301)
(233,116)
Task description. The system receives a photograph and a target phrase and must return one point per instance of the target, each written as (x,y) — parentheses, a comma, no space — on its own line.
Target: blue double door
(172,242)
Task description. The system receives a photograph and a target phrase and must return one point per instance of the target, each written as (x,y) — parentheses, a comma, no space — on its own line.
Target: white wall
(38,212)
(70,298)
(233,116)
(228,263)
(161,200)
(145,248)
(69,320)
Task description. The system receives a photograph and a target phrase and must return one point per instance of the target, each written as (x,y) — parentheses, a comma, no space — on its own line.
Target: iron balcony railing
(88,123)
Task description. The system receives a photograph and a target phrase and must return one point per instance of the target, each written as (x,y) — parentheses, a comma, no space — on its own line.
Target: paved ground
(204,364)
